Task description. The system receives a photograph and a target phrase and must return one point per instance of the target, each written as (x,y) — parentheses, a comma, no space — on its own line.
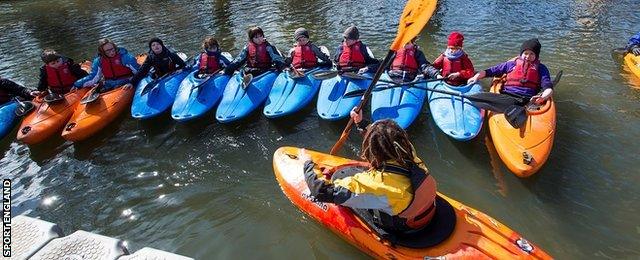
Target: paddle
(246,80)
(24,107)
(209,76)
(414,17)
(322,75)
(52,97)
(93,95)
(517,115)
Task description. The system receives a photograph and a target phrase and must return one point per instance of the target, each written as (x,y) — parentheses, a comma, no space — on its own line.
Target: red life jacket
(451,66)
(209,64)
(60,80)
(112,68)
(304,57)
(351,56)
(258,56)
(524,74)
(405,60)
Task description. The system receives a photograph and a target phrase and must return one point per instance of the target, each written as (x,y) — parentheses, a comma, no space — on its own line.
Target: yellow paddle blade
(415,16)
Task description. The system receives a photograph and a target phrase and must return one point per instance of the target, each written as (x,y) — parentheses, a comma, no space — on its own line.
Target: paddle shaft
(365,98)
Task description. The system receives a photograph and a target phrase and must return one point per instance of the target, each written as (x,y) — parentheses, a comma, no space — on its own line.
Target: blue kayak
(332,105)
(196,95)
(7,117)
(455,116)
(289,95)
(401,104)
(238,102)
(159,98)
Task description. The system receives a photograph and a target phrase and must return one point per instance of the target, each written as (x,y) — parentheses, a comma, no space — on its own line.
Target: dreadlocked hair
(384,141)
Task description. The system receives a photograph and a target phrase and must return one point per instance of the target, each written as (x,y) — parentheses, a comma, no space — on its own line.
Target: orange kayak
(48,119)
(633,62)
(524,150)
(471,234)
(90,118)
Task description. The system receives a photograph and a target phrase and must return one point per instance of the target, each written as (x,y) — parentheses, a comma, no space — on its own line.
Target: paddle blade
(516,116)
(322,75)
(296,74)
(352,75)
(24,108)
(355,93)
(91,97)
(415,16)
(246,80)
(53,98)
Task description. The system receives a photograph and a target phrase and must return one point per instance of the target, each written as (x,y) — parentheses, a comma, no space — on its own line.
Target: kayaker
(259,55)
(408,62)
(305,54)
(211,59)
(9,90)
(454,63)
(526,75)
(58,72)
(352,54)
(113,63)
(396,188)
(161,59)
(634,44)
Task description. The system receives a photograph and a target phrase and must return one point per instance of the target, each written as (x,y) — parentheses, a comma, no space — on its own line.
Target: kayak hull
(49,119)
(193,102)
(535,138)
(476,235)
(158,99)
(89,118)
(455,116)
(401,104)
(332,105)
(289,95)
(633,62)
(238,102)
(7,117)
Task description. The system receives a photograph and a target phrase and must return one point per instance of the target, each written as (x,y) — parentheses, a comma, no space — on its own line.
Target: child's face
(349,42)
(156,47)
(302,40)
(528,55)
(55,63)
(258,39)
(454,48)
(213,48)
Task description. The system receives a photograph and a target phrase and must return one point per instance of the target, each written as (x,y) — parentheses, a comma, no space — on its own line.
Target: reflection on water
(207,190)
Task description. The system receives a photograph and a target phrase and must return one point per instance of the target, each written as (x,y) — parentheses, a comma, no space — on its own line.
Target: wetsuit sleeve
(371,62)
(467,70)
(425,66)
(325,61)
(635,40)
(144,70)
(131,63)
(77,70)
(223,61)
(237,62)
(393,56)
(180,64)
(500,69)
(14,89)
(42,83)
(93,77)
(336,56)
(439,62)
(545,78)
(276,58)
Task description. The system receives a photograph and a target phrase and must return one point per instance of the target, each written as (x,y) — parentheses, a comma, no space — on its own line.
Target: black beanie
(532,45)
(155,39)
(351,33)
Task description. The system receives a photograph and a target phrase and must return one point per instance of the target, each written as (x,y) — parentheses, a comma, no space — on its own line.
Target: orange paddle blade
(415,16)
(140,58)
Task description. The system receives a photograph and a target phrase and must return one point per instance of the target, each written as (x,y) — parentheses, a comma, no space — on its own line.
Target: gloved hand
(635,50)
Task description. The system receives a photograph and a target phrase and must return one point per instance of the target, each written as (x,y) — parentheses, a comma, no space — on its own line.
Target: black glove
(635,50)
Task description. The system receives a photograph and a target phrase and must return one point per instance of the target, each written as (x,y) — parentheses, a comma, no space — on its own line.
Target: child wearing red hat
(454,63)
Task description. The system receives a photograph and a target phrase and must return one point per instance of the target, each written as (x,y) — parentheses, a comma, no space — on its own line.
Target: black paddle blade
(246,80)
(493,101)
(24,107)
(53,98)
(352,75)
(557,78)
(516,116)
(296,74)
(322,75)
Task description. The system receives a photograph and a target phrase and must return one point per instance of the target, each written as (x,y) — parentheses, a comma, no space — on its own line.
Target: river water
(207,190)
